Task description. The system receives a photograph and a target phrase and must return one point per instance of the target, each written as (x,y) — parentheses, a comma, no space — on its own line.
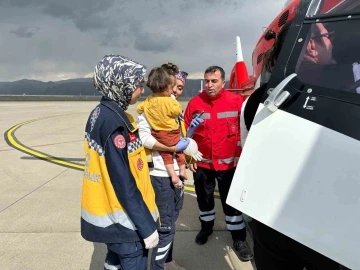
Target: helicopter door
(299,171)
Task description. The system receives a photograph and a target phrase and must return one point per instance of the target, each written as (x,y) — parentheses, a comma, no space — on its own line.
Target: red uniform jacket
(218,137)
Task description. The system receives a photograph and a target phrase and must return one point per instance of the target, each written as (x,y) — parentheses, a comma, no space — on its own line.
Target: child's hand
(177,182)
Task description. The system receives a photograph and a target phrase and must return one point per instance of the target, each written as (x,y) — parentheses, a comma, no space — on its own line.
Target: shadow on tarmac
(98,256)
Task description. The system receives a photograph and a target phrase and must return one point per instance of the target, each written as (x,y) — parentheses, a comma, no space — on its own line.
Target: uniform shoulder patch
(119,141)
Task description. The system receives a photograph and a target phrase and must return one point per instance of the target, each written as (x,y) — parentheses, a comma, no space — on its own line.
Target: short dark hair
(160,78)
(213,69)
(316,33)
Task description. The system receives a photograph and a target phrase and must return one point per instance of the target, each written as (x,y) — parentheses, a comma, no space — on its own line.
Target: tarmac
(40,189)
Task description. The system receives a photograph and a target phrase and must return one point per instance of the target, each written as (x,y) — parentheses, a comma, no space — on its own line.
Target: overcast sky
(54,40)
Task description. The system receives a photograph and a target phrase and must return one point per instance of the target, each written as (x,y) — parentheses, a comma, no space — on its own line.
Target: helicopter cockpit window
(330,56)
(332,7)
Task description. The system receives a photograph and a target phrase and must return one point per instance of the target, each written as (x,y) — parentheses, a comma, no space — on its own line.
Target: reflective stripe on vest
(220,161)
(220,115)
(227,114)
(205,116)
(119,217)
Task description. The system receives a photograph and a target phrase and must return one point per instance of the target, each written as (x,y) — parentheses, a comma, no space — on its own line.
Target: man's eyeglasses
(329,35)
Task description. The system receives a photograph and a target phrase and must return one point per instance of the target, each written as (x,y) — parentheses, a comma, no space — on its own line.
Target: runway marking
(13,142)
(42,145)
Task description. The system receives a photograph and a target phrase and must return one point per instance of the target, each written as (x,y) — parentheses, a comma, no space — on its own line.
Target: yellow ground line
(11,139)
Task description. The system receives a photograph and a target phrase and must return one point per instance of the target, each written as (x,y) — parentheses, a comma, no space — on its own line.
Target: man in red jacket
(214,117)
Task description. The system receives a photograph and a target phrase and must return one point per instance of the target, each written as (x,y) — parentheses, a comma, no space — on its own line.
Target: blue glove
(194,124)
(182,144)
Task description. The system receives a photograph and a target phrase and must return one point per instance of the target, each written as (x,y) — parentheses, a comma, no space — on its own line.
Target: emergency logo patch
(119,141)
(134,144)
(94,116)
(132,137)
(140,164)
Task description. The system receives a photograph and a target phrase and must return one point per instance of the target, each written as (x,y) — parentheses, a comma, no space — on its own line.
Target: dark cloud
(86,15)
(92,22)
(186,5)
(155,42)
(59,11)
(76,34)
(24,32)
(15,3)
(113,37)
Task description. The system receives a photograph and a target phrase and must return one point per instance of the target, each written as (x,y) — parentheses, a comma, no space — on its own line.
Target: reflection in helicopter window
(330,55)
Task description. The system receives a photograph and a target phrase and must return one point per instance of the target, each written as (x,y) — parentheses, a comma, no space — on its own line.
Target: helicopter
(299,169)
(240,81)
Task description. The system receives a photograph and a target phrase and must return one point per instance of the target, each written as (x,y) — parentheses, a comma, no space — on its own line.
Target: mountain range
(74,87)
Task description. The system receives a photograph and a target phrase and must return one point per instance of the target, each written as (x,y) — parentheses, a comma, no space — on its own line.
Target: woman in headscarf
(169,199)
(118,201)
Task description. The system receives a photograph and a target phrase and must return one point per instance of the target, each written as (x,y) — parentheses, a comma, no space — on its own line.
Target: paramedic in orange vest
(217,113)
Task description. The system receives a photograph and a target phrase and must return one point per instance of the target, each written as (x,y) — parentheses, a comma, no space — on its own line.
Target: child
(162,111)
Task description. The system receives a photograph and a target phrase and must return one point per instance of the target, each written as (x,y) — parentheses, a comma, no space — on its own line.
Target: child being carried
(162,112)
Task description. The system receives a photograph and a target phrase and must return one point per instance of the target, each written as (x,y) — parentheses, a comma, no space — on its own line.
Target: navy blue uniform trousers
(169,201)
(126,256)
